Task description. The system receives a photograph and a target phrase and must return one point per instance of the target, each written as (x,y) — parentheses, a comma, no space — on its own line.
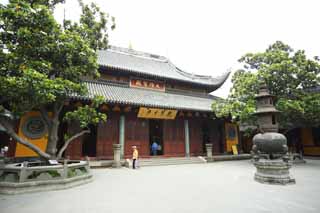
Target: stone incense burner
(269,150)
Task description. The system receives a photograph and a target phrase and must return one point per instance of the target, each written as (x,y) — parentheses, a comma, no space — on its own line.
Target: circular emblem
(34,127)
(231,133)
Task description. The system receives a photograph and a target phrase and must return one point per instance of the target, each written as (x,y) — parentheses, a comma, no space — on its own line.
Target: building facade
(148,99)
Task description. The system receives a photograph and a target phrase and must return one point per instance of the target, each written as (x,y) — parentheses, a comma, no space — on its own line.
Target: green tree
(289,76)
(42,63)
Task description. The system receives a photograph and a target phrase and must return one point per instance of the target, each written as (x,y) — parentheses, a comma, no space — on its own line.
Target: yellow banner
(234,150)
(231,135)
(157,113)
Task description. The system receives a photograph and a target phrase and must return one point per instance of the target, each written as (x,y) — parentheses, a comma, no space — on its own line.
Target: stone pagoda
(269,150)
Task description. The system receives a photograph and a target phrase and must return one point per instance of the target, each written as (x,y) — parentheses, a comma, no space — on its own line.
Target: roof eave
(210,87)
(82,98)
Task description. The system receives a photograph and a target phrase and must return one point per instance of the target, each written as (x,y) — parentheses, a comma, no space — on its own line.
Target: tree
(42,63)
(289,76)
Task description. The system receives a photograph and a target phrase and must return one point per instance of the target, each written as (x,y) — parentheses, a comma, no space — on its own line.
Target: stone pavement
(213,187)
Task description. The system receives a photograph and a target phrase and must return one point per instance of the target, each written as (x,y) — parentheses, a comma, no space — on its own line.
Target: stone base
(273,172)
(296,158)
(45,185)
(116,164)
(298,161)
(27,177)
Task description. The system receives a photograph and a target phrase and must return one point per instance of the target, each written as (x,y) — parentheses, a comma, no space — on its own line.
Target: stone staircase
(143,162)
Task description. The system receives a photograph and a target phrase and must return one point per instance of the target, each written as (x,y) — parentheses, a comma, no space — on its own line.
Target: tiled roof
(123,94)
(153,65)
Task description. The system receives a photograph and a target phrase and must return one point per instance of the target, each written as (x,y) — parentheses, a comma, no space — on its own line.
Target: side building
(148,99)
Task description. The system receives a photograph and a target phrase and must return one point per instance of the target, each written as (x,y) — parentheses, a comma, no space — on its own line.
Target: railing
(37,171)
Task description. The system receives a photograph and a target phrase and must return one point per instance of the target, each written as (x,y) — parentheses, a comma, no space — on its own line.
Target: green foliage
(86,115)
(289,75)
(92,25)
(54,173)
(42,62)
(240,103)
(71,173)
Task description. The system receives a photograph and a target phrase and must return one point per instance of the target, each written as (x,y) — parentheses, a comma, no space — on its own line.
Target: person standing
(154,148)
(135,156)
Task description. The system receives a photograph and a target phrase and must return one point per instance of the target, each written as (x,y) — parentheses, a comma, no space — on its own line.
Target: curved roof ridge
(137,53)
(223,76)
(192,75)
(148,64)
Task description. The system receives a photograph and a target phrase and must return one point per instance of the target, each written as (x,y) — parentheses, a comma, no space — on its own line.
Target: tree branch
(20,140)
(45,117)
(66,144)
(57,107)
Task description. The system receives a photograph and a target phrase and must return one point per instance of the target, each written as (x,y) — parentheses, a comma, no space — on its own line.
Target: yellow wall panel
(41,142)
(231,135)
(306,136)
(313,150)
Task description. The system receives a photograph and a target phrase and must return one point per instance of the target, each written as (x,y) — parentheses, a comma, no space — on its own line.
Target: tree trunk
(53,137)
(66,144)
(53,127)
(10,130)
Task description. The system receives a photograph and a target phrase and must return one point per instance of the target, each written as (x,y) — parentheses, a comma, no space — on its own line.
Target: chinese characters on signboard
(157,113)
(154,85)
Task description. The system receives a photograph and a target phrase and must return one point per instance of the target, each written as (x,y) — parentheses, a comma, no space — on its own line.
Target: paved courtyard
(216,187)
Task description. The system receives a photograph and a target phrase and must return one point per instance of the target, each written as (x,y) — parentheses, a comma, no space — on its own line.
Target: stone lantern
(269,150)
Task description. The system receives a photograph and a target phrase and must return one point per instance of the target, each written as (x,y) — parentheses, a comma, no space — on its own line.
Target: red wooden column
(196,139)
(107,134)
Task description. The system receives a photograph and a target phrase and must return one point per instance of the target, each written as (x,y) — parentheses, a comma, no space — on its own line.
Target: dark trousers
(134,163)
(154,152)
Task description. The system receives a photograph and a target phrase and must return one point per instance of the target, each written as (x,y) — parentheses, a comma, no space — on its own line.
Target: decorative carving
(34,127)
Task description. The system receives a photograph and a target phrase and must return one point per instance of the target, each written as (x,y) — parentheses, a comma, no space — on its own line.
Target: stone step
(153,161)
(165,161)
(169,161)
(169,158)
(176,161)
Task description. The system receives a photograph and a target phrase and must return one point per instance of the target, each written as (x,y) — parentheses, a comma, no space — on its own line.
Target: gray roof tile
(123,94)
(153,65)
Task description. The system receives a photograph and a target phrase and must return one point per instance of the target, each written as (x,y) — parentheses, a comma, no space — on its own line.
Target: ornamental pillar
(121,134)
(116,156)
(209,150)
(187,139)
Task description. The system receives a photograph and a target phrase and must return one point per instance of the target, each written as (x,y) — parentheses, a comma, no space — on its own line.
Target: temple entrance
(89,143)
(156,136)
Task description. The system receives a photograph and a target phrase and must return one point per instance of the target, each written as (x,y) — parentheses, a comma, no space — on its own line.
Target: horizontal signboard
(147,84)
(154,113)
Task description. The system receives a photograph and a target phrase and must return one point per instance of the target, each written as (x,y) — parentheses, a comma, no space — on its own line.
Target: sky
(208,37)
